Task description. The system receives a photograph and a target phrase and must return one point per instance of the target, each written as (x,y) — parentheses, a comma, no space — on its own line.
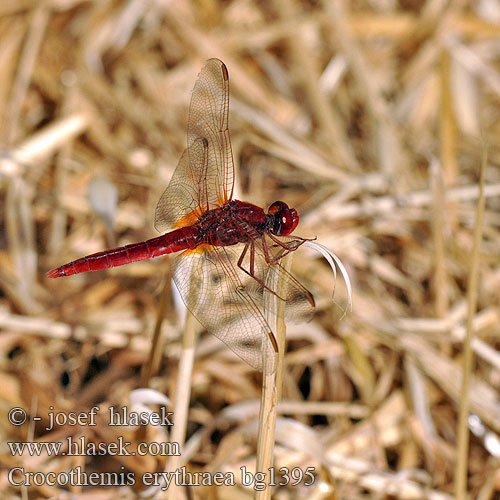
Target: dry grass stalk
(439,232)
(182,397)
(150,368)
(472,296)
(272,384)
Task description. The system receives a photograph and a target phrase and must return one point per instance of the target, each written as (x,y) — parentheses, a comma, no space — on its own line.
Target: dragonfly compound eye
(285,219)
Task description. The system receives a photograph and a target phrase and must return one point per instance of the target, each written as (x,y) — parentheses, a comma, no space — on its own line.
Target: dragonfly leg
(276,260)
(288,249)
(251,272)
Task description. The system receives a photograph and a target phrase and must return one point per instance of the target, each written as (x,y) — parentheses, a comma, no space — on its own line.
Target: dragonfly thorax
(234,222)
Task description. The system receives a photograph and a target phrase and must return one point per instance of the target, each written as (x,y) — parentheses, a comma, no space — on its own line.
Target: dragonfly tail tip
(55,273)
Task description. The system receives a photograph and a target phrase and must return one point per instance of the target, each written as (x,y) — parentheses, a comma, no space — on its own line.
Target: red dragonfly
(231,249)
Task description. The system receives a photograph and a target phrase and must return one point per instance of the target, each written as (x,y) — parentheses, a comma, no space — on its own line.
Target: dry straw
(472,296)
(272,385)
(365,116)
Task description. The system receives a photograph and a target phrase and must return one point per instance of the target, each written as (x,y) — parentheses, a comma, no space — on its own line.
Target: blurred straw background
(370,118)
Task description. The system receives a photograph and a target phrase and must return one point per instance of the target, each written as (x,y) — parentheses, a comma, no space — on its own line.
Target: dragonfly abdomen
(180,239)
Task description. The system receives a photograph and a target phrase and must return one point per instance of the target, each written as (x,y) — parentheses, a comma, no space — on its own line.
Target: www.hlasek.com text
(83,447)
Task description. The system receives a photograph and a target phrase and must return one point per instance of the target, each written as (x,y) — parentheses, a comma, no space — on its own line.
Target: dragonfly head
(283,220)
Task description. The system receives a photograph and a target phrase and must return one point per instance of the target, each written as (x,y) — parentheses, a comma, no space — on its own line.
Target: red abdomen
(175,241)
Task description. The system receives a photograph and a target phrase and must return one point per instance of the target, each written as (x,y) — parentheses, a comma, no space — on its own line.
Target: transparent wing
(205,175)
(179,204)
(208,119)
(299,300)
(229,302)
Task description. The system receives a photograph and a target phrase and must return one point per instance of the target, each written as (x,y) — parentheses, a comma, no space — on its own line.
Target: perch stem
(272,388)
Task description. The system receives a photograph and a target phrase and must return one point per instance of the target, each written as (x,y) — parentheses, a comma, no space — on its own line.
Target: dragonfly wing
(237,303)
(227,303)
(208,120)
(179,204)
(204,176)
(299,300)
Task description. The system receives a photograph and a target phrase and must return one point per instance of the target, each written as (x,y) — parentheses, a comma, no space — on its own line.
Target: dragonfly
(229,251)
